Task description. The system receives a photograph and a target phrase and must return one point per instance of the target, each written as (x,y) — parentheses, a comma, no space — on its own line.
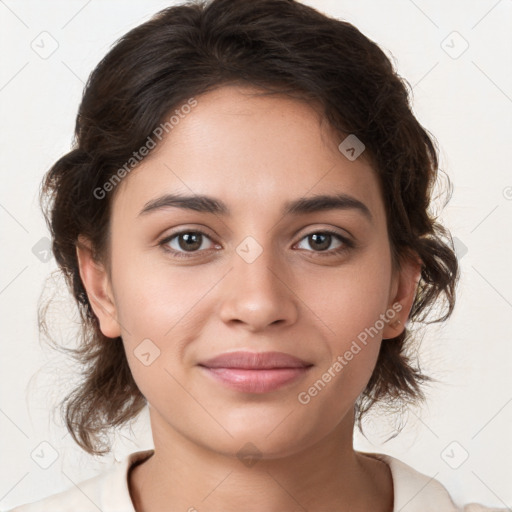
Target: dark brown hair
(279,46)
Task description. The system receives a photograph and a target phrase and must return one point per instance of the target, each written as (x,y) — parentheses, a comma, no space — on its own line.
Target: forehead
(252,151)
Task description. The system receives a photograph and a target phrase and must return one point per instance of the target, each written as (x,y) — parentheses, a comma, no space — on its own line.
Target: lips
(255,361)
(255,372)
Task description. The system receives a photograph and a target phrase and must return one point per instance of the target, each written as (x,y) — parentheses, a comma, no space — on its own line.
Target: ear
(97,285)
(403,292)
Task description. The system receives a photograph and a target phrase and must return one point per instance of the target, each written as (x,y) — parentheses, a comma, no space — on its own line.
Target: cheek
(350,300)
(161,310)
(352,309)
(351,303)
(158,318)
(155,299)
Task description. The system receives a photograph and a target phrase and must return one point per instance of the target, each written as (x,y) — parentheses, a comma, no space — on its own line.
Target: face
(187,285)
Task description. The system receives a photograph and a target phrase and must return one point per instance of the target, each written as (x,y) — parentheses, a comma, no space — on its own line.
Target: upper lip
(255,360)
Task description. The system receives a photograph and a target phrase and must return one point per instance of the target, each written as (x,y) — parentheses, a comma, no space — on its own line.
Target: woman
(244,224)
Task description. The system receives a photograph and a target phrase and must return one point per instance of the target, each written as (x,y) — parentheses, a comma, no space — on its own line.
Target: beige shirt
(109,492)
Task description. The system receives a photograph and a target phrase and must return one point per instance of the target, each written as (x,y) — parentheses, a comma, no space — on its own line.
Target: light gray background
(462,95)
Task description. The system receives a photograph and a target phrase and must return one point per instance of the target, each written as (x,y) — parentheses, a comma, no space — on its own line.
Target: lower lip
(256,381)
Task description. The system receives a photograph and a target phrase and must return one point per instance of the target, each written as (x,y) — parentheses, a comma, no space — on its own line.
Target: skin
(254,154)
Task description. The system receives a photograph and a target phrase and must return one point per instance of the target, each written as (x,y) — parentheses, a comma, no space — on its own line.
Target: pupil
(191,241)
(326,241)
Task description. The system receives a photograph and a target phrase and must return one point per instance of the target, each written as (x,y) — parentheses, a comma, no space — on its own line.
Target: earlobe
(97,285)
(401,301)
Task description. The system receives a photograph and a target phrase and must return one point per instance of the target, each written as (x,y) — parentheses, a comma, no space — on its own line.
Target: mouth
(255,372)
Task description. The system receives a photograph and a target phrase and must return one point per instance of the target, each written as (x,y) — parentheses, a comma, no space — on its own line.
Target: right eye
(186,241)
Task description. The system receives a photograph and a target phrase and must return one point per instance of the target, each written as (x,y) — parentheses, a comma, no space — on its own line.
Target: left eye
(323,239)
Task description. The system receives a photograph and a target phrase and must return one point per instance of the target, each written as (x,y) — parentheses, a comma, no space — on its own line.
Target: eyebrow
(304,205)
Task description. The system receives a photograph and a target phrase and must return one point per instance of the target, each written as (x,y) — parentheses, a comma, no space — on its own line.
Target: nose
(258,294)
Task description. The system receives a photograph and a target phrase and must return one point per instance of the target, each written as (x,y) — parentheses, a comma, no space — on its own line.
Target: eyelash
(347,244)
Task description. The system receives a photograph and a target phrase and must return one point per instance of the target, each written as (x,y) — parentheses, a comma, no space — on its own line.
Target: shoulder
(107,492)
(416,492)
(476,507)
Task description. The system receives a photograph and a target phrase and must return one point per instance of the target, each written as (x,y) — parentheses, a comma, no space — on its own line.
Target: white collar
(413,491)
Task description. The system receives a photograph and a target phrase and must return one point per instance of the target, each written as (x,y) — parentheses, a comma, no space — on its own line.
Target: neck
(329,475)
